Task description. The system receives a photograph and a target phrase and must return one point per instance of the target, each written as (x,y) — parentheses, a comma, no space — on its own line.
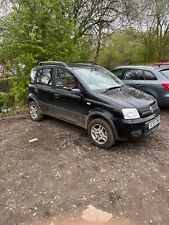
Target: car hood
(127,97)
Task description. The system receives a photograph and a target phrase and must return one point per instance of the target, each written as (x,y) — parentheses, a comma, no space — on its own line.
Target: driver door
(67,106)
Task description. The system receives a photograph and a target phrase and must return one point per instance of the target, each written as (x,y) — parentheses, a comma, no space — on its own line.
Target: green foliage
(34,31)
(123,47)
(39,30)
(19,90)
(16,98)
(4,85)
(5,101)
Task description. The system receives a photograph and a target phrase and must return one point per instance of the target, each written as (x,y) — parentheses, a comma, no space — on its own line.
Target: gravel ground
(61,173)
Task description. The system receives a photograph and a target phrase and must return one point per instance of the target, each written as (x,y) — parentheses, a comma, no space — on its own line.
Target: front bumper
(132,129)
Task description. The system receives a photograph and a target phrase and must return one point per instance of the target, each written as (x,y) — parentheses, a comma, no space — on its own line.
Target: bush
(19,91)
(6,102)
(4,85)
(16,99)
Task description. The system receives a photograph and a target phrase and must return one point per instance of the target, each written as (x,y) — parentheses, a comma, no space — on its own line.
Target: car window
(165,72)
(65,79)
(133,74)
(118,73)
(32,76)
(44,77)
(149,75)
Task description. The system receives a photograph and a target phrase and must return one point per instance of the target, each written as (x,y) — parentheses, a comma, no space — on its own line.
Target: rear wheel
(34,111)
(101,133)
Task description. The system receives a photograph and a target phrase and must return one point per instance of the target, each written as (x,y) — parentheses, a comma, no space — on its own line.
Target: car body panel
(126,97)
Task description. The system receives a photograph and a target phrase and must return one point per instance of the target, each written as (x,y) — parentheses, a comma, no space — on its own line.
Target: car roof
(155,70)
(151,68)
(134,67)
(161,63)
(71,65)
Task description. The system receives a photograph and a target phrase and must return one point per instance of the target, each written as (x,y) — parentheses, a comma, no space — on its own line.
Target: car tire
(34,112)
(101,133)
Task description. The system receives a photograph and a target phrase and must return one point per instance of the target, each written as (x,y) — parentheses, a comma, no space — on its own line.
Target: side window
(149,75)
(44,77)
(118,73)
(165,72)
(133,74)
(32,76)
(65,80)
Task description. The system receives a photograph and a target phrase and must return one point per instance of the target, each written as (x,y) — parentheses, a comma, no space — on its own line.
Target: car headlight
(131,113)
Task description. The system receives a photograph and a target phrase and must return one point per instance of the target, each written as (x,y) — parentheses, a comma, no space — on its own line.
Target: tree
(153,23)
(32,31)
(123,47)
(98,19)
(38,30)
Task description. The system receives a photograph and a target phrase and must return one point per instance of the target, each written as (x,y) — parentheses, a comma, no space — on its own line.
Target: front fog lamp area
(130,113)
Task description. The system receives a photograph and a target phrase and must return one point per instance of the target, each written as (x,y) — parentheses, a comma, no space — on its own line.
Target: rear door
(151,82)
(134,78)
(154,84)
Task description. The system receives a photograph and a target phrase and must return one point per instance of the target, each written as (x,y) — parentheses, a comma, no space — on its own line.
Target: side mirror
(76,91)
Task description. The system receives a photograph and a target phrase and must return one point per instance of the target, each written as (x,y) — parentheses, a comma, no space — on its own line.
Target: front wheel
(34,111)
(101,133)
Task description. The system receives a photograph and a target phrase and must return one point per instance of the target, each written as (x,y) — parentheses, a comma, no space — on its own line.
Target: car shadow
(80,138)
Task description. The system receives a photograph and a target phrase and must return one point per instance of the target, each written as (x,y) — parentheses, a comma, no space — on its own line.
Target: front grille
(150,110)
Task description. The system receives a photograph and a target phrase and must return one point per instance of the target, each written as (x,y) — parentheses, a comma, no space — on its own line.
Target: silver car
(154,81)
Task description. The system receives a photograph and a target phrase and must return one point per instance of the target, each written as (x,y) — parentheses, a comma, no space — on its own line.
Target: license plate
(154,122)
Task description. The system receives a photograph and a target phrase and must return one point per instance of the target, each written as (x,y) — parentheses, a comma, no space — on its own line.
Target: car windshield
(165,72)
(98,78)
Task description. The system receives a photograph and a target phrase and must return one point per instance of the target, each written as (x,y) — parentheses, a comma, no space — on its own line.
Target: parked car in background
(90,96)
(148,79)
(161,65)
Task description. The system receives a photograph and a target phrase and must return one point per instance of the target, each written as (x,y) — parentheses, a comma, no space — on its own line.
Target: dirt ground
(61,174)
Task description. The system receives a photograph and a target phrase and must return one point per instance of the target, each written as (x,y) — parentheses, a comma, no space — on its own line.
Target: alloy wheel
(99,134)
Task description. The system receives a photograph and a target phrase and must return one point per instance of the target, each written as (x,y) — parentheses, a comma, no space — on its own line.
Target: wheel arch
(106,115)
(31,98)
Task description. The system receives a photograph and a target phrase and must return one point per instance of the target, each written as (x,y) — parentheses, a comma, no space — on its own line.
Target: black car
(91,97)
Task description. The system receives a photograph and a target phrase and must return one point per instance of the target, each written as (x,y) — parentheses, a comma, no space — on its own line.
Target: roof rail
(58,63)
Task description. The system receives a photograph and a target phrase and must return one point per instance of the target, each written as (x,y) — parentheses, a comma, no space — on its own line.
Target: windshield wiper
(111,88)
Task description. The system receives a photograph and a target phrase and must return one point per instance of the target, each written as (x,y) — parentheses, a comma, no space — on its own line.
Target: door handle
(56,95)
(36,90)
(139,85)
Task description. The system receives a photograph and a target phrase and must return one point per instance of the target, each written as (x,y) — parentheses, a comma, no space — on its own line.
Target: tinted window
(133,74)
(149,75)
(65,80)
(44,77)
(118,73)
(33,76)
